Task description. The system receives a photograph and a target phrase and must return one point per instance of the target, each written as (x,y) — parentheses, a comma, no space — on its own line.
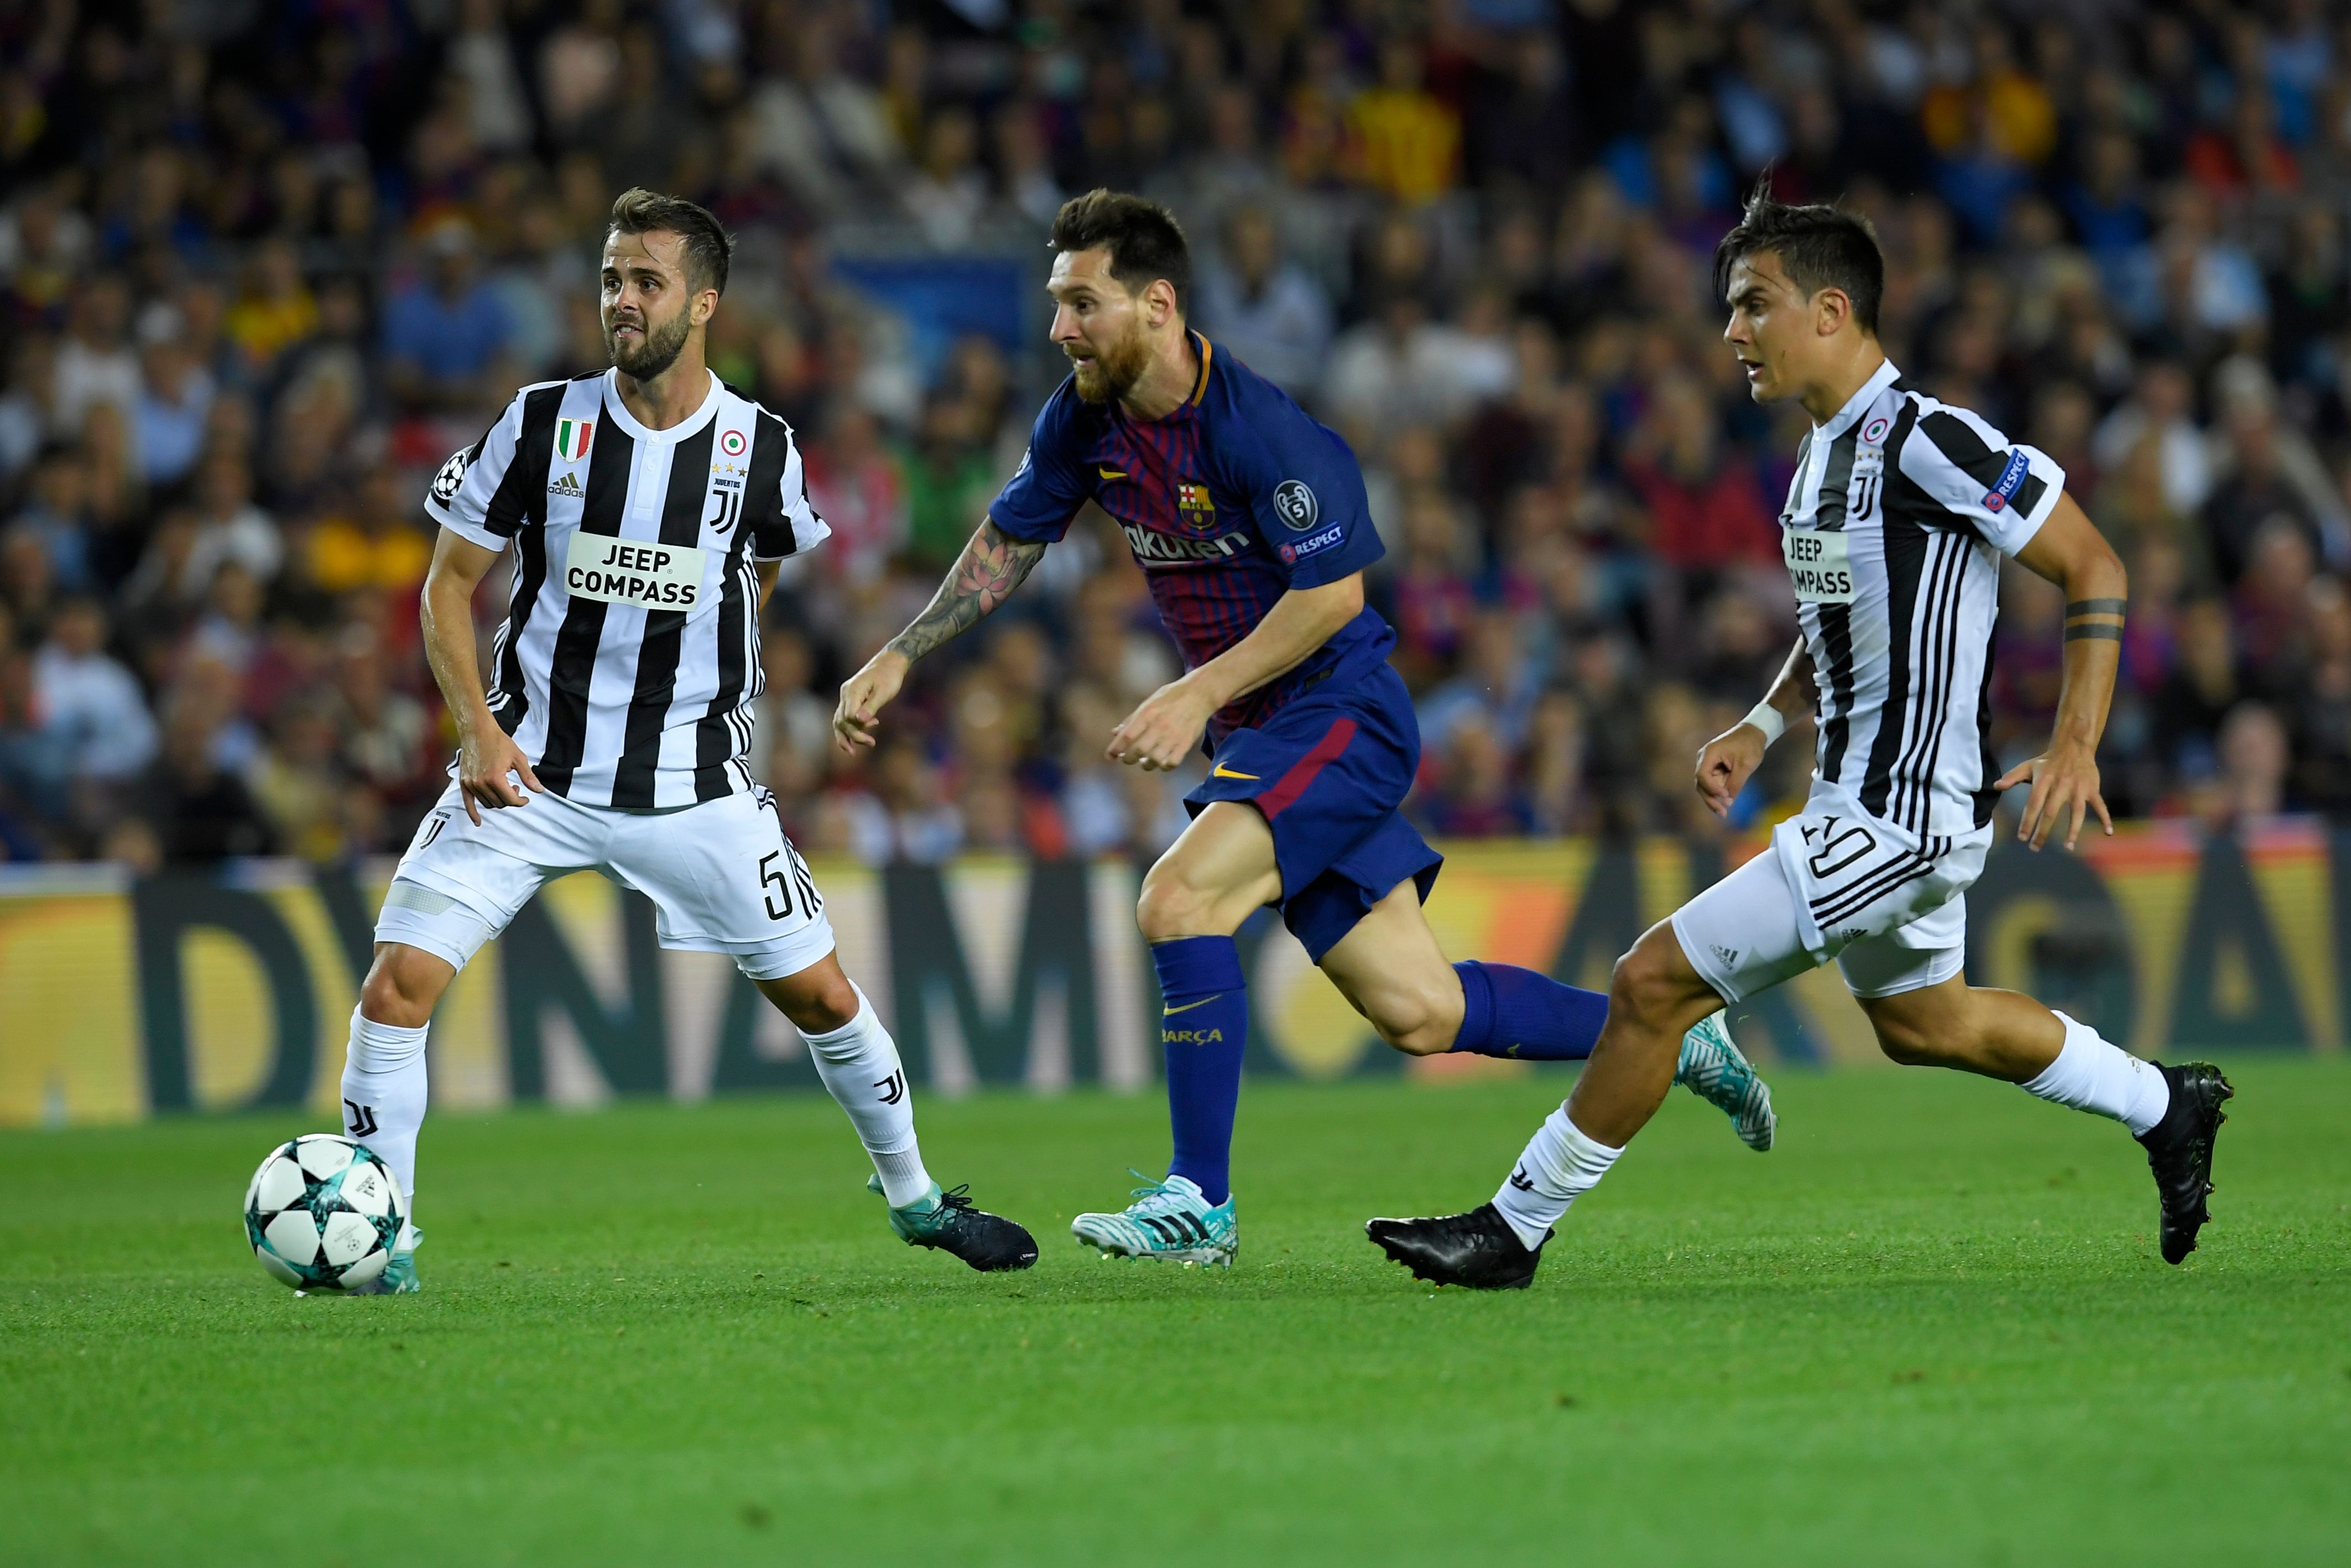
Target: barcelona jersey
(1228,502)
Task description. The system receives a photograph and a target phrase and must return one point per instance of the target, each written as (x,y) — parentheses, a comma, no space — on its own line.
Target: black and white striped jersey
(1899,512)
(630,657)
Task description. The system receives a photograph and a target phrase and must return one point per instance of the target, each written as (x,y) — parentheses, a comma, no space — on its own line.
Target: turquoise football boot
(1171,1219)
(1713,1068)
(399,1276)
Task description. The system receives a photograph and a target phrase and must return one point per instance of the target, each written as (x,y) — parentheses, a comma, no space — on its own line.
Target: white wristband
(1768,719)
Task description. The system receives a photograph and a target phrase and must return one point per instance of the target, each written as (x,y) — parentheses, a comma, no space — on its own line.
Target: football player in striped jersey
(1900,512)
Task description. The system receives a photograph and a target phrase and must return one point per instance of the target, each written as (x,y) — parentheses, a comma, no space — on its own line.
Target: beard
(656,351)
(1114,371)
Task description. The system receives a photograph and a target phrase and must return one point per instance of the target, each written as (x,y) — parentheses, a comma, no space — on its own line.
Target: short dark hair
(1145,241)
(707,247)
(1819,246)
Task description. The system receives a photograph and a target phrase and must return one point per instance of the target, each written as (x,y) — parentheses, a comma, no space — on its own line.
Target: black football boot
(1478,1250)
(2180,1151)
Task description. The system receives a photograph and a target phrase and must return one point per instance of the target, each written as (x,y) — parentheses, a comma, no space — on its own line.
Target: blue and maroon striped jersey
(1228,503)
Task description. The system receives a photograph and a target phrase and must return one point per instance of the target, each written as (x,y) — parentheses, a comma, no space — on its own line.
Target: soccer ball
(323,1212)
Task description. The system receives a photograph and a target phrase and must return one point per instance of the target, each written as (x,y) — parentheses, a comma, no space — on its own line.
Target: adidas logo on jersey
(566,486)
(1728,955)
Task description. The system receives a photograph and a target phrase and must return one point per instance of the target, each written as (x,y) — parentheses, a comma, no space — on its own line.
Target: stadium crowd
(265,265)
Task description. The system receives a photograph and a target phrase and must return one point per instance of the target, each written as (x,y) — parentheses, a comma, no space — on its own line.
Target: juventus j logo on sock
(893,1088)
(359,1121)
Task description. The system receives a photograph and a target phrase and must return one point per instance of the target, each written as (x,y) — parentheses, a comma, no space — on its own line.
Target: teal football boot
(399,1276)
(1713,1068)
(1171,1219)
(951,1223)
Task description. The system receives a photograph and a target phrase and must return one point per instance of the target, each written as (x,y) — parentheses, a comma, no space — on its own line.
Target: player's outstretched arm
(1731,759)
(486,753)
(2070,552)
(991,566)
(1162,732)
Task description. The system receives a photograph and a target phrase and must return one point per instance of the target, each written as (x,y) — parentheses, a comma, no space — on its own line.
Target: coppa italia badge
(732,444)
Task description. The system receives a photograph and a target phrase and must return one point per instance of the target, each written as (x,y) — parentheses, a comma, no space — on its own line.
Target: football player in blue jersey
(1250,522)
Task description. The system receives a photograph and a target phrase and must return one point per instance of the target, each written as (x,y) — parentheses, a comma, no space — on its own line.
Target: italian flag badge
(571,438)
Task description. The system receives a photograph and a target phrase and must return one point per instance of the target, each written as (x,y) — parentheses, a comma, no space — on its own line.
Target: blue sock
(1203,1029)
(1510,1011)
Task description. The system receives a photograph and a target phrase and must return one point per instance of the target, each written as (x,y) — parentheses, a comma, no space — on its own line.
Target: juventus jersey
(630,656)
(1899,512)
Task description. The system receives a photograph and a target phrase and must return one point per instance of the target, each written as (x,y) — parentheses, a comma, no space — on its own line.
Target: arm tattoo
(991,568)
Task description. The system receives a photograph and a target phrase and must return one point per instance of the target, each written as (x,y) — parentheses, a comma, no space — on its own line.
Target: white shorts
(1836,883)
(721,876)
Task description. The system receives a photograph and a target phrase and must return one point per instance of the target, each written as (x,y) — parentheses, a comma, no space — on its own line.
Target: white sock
(2091,1075)
(859,1063)
(384,1093)
(1560,1165)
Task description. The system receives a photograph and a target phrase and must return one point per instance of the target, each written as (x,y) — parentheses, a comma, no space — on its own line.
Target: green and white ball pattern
(323,1212)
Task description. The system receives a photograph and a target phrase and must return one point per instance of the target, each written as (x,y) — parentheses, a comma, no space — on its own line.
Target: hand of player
(486,756)
(1161,733)
(1725,764)
(2064,777)
(864,695)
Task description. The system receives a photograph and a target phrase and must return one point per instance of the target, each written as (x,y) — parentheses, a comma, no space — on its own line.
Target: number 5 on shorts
(772,874)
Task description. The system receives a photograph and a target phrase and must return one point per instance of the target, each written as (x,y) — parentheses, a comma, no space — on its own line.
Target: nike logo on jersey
(1110,473)
(1187,1007)
(566,486)
(1221,772)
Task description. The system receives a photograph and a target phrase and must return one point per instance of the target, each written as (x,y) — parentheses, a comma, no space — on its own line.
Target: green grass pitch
(1929,1329)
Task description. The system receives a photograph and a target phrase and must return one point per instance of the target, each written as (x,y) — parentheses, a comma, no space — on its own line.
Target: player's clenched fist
(864,695)
(1725,764)
(485,758)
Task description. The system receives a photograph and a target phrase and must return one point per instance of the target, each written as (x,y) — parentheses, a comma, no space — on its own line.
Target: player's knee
(402,987)
(1418,1020)
(1644,988)
(1171,907)
(1912,1041)
(819,1006)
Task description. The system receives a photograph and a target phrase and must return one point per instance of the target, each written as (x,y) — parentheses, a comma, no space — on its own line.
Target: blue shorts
(1330,772)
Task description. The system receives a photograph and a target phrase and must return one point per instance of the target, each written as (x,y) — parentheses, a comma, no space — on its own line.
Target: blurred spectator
(948,480)
(175,400)
(228,526)
(374,542)
(1405,143)
(858,490)
(2254,759)
(1706,515)
(88,702)
(444,335)
(96,362)
(293,784)
(1267,311)
(56,520)
(202,812)
(1403,369)
(274,311)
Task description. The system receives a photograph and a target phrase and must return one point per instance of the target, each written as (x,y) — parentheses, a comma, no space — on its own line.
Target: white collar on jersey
(1886,377)
(621,416)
